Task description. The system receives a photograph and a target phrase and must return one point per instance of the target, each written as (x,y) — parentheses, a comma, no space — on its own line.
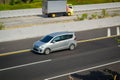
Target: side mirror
(53,41)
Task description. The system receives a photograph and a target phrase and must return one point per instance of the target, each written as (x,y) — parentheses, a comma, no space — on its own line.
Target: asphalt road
(32,66)
(27,21)
(17,45)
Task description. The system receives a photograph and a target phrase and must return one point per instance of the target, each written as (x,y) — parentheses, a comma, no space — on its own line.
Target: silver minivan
(55,41)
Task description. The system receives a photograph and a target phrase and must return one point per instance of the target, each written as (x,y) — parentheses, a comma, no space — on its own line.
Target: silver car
(55,41)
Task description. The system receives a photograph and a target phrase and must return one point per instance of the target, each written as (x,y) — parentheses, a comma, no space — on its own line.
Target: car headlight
(41,47)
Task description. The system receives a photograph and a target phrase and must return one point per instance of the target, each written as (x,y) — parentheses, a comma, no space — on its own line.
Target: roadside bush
(18,2)
(105,13)
(12,2)
(2,26)
(118,41)
(84,16)
(94,16)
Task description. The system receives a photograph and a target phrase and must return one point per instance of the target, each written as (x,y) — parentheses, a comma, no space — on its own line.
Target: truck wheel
(69,14)
(53,15)
(49,15)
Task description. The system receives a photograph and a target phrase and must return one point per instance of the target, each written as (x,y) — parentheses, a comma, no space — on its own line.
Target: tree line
(15,1)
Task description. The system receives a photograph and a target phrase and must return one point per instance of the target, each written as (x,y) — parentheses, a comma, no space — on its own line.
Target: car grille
(35,49)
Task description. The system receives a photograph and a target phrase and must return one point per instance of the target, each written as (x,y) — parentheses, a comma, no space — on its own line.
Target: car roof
(60,33)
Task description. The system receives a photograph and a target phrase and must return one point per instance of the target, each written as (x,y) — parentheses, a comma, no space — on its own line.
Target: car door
(57,43)
(65,41)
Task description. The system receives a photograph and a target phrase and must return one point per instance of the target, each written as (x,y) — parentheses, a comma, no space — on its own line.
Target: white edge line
(25,65)
(83,70)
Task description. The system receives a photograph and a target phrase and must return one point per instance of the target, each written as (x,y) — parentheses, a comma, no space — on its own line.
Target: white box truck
(52,8)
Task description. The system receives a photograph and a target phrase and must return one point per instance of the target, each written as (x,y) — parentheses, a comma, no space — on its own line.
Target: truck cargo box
(53,6)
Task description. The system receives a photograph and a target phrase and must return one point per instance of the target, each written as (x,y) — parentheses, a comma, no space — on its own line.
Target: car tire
(72,47)
(47,51)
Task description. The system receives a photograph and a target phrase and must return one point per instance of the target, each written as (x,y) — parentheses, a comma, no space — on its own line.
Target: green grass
(81,2)
(38,4)
(1,26)
(20,6)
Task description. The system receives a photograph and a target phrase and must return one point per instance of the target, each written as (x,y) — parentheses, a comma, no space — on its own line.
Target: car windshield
(46,39)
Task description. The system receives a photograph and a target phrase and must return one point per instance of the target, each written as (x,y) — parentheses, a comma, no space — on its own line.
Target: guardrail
(38,11)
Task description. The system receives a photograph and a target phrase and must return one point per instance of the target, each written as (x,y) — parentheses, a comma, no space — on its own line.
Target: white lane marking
(108,32)
(118,31)
(83,70)
(25,65)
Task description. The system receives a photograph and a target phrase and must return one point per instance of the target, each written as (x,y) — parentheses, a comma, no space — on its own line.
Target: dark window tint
(64,37)
(57,39)
(46,39)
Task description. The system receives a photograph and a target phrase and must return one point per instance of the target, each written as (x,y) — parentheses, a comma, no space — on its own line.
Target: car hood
(38,43)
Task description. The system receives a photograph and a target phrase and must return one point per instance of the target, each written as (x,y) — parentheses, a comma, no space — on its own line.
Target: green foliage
(1,26)
(79,2)
(20,6)
(84,16)
(118,39)
(105,13)
(12,2)
(94,16)
(17,1)
(23,4)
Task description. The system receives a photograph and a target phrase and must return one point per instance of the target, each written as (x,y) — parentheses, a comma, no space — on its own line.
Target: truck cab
(70,10)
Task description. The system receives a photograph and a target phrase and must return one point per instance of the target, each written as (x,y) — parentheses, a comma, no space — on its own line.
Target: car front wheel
(47,51)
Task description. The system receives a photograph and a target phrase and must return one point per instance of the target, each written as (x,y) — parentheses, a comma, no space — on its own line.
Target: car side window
(56,39)
(70,36)
(67,36)
(63,37)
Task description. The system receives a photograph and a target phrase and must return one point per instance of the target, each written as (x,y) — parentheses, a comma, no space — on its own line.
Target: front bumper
(38,50)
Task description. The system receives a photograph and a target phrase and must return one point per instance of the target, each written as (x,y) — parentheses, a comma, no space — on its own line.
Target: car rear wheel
(72,47)
(47,51)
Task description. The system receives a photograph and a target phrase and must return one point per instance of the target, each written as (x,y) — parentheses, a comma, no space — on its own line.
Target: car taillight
(75,37)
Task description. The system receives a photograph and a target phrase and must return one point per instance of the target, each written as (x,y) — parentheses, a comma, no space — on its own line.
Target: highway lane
(41,19)
(81,48)
(17,45)
(85,55)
